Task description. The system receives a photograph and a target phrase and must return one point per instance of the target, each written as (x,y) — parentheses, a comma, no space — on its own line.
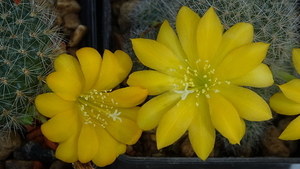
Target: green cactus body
(274,22)
(29,41)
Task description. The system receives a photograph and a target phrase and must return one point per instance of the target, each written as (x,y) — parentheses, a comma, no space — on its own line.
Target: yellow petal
(209,35)
(129,113)
(115,67)
(152,111)
(236,36)
(261,76)
(106,153)
(291,132)
(168,37)
(88,143)
(242,130)
(121,148)
(176,121)
(248,104)
(69,64)
(291,90)
(241,61)
(154,81)
(124,130)
(282,105)
(90,62)
(50,104)
(127,97)
(225,118)
(296,59)
(186,27)
(201,131)
(124,60)
(62,126)
(67,150)
(155,55)
(125,63)
(65,85)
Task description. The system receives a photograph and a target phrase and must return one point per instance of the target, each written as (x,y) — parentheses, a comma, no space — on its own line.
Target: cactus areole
(29,41)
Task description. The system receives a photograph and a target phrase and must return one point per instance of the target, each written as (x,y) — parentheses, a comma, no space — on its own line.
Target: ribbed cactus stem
(29,41)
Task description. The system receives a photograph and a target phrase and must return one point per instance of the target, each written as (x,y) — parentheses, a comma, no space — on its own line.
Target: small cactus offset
(274,22)
(29,41)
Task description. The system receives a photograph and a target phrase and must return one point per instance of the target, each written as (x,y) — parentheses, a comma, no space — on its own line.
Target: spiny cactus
(29,41)
(274,22)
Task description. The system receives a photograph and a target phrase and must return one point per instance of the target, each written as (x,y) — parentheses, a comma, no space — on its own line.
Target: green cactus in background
(29,41)
(275,22)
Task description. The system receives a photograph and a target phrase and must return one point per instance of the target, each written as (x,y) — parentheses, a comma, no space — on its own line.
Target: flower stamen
(95,111)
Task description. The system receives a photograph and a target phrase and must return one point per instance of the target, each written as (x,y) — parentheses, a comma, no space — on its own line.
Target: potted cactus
(181,85)
(148,22)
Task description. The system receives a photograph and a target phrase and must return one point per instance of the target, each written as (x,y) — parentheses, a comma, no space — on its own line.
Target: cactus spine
(29,41)
(275,22)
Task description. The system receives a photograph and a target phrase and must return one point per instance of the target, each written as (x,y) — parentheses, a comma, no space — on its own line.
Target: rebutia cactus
(29,41)
(275,22)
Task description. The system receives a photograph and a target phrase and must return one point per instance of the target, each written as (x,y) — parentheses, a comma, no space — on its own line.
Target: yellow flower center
(200,80)
(95,107)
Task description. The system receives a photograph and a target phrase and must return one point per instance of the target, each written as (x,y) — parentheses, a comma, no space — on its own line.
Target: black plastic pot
(127,162)
(96,15)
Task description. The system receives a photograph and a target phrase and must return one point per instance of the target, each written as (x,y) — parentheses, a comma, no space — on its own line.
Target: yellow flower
(197,76)
(88,119)
(287,102)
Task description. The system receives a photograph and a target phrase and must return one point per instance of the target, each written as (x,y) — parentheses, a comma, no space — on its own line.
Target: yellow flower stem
(79,165)
(284,75)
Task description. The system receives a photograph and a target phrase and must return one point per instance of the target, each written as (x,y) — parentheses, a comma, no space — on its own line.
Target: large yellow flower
(88,119)
(287,102)
(197,76)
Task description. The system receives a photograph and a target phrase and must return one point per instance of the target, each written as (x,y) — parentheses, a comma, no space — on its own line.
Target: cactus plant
(29,41)
(274,22)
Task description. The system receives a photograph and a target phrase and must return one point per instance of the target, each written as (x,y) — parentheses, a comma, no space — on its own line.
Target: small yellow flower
(287,102)
(197,74)
(88,119)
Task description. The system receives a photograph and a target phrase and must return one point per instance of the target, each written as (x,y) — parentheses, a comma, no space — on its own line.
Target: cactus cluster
(29,42)
(274,22)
